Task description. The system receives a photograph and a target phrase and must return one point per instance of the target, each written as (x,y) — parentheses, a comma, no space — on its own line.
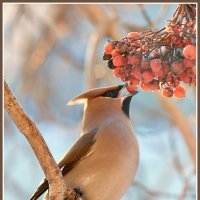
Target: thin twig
(167,195)
(153,192)
(162,14)
(185,189)
(145,15)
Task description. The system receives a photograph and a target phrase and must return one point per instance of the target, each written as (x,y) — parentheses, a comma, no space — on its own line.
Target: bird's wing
(80,150)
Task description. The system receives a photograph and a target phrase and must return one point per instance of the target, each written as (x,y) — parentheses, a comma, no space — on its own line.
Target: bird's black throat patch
(126,105)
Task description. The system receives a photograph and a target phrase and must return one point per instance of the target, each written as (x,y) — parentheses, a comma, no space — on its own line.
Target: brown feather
(80,150)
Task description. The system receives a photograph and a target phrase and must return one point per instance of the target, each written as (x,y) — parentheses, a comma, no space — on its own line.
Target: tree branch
(91,58)
(145,15)
(26,126)
(179,119)
(100,18)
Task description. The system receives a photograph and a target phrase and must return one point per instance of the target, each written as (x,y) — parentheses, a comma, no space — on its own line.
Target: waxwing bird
(104,160)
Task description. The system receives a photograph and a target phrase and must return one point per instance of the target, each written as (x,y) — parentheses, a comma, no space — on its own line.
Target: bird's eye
(109,94)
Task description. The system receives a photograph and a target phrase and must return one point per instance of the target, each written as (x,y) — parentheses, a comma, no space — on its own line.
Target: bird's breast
(112,163)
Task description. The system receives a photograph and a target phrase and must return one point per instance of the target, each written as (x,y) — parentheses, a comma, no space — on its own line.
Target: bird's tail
(40,190)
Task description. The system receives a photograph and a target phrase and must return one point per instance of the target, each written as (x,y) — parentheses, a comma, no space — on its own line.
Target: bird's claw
(78,192)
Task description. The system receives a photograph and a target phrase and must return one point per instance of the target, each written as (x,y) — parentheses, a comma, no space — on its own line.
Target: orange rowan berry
(134,81)
(179,92)
(117,72)
(136,72)
(108,48)
(188,63)
(189,52)
(134,60)
(184,77)
(134,35)
(156,65)
(131,88)
(144,86)
(119,61)
(115,53)
(147,76)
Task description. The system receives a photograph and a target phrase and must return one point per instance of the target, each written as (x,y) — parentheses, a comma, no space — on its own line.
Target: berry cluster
(157,60)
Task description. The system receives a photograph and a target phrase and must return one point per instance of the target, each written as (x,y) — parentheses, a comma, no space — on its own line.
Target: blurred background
(53,52)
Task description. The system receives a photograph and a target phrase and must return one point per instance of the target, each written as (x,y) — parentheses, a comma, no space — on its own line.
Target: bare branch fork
(57,187)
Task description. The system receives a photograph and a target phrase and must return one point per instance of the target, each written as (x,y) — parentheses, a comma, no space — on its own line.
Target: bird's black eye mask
(113,93)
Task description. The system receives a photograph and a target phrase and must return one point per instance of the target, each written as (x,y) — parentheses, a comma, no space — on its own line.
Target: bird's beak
(122,89)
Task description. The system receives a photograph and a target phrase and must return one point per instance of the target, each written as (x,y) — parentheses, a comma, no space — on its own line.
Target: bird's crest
(82,98)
